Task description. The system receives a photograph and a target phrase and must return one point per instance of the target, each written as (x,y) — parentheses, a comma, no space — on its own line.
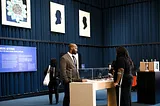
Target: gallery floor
(43,100)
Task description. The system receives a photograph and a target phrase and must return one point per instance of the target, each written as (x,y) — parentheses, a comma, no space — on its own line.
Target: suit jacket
(69,71)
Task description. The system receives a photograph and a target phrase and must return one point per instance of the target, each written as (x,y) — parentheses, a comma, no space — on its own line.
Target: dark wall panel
(137,53)
(133,24)
(50,44)
(130,23)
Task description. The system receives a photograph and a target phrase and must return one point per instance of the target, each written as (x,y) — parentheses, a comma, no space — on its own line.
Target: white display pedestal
(84,93)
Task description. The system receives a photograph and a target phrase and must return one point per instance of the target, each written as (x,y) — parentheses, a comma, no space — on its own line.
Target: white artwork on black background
(57,17)
(16,13)
(84,23)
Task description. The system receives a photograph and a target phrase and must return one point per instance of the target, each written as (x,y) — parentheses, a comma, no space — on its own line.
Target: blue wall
(133,24)
(51,44)
(130,23)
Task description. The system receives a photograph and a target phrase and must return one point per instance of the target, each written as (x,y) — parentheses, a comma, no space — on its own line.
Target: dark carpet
(43,100)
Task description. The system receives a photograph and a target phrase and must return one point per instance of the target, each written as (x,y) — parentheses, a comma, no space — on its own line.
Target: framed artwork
(16,13)
(57,17)
(84,23)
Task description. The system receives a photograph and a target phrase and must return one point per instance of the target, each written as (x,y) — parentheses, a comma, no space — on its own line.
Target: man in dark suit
(69,72)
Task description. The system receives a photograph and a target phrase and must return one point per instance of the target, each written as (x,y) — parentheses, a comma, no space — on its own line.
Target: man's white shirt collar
(76,56)
(70,55)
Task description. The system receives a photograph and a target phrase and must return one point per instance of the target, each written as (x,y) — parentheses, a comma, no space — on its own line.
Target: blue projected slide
(17,58)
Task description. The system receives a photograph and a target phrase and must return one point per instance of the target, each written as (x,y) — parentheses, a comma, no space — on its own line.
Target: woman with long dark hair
(123,76)
(53,83)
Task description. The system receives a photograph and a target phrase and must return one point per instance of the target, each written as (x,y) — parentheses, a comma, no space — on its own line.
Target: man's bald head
(73,49)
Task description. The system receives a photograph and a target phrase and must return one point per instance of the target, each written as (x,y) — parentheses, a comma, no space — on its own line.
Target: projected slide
(17,58)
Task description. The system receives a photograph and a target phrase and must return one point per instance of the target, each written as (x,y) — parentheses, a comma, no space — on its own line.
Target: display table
(84,93)
(148,87)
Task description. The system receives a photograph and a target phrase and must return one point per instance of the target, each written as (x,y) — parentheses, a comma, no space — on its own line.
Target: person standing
(123,76)
(54,80)
(69,71)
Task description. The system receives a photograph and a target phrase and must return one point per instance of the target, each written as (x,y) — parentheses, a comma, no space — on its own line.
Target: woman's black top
(123,62)
(53,74)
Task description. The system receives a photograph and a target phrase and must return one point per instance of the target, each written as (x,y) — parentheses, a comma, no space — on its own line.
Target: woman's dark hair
(123,52)
(113,64)
(53,62)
